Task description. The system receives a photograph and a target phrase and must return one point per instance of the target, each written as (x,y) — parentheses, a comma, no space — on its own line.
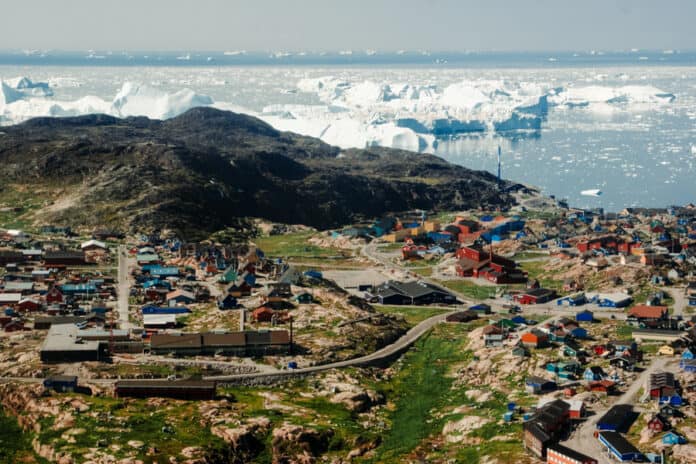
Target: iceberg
(624,95)
(142,100)
(426,109)
(22,99)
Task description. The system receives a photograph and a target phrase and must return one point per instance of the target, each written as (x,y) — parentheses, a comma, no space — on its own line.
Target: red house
(658,423)
(535,296)
(28,304)
(262,314)
(54,295)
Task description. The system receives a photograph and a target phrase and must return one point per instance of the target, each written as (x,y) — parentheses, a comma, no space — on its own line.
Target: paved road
(383,354)
(583,438)
(124,286)
(680,299)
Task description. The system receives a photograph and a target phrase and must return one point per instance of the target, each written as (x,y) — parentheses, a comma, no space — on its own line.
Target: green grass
(537,270)
(15,444)
(529,255)
(390,247)
(413,315)
(422,397)
(470,289)
(25,201)
(296,245)
(113,421)
(624,331)
(425,272)
(421,387)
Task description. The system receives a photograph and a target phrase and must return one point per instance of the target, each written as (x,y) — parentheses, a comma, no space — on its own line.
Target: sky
(388,25)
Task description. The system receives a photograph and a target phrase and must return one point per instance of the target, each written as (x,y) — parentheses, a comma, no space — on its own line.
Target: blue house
(616,419)
(229,302)
(671,438)
(584,316)
(61,383)
(78,289)
(593,374)
(150,309)
(687,354)
(312,274)
(539,385)
(620,448)
(482,307)
(674,400)
(519,320)
(157,283)
(162,271)
(615,301)
(688,365)
(579,332)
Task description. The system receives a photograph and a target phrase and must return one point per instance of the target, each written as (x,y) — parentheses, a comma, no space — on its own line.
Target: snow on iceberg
(623,95)
(410,109)
(142,100)
(22,99)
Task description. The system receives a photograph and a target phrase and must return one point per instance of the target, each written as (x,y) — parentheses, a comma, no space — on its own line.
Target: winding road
(383,354)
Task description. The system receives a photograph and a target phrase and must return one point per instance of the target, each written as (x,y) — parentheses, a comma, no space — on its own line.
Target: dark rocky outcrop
(201,170)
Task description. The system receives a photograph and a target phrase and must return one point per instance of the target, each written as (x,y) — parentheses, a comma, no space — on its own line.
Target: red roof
(648,312)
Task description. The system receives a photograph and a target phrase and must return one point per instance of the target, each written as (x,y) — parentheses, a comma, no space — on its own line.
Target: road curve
(383,354)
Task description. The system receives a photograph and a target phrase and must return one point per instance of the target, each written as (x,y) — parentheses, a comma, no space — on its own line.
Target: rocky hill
(205,169)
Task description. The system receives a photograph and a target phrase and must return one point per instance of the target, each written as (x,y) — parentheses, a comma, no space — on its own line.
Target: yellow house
(431,226)
(666,350)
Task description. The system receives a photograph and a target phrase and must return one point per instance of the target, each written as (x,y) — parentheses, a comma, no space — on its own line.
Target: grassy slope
(423,397)
(412,315)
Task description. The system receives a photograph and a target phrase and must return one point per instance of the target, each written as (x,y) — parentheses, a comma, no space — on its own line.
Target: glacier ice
(22,99)
(142,100)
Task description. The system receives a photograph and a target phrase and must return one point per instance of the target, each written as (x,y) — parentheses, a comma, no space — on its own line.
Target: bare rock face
(479,396)
(357,399)
(456,431)
(684,453)
(245,440)
(646,435)
(296,444)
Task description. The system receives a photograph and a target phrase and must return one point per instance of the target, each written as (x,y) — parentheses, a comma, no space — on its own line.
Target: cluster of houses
(41,280)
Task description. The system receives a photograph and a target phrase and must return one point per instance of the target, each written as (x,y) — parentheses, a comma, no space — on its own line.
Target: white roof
(10,297)
(93,242)
(63,337)
(613,296)
(32,252)
(158,319)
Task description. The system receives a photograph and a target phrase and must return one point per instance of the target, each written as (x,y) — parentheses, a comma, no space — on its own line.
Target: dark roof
(617,416)
(62,378)
(414,289)
(280,337)
(222,340)
(538,292)
(565,451)
(165,384)
(619,443)
(258,338)
(175,341)
(64,254)
(537,431)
